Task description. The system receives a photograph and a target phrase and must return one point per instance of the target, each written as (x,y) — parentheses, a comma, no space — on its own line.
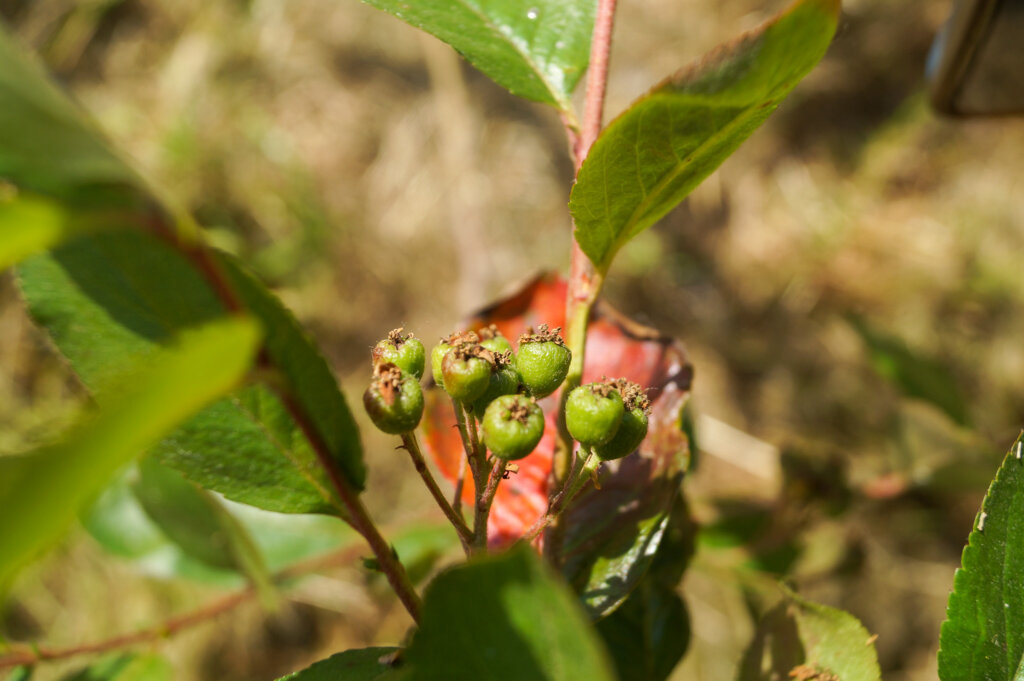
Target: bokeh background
(849,286)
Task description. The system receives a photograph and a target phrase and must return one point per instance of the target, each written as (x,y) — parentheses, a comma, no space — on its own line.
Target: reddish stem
(597,79)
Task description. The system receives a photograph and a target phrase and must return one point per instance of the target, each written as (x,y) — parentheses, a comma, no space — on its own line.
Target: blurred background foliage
(848,284)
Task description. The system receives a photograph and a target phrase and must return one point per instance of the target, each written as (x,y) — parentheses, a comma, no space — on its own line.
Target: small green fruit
(628,437)
(393,401)
(504,381)
(593,413)
(466,374)
(402,350)
(439,351)
(492,339)
(542,361)
(512,426)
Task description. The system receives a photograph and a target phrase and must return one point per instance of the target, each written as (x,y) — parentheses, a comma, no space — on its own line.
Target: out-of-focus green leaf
(983,635)
(914,373)
(420,547)
(126,667)
(43,491)
(21,674)
(800,637)
(537,49)
(116,297)
(648,634)
(198,523)
(654,154)
(367,664)
(504,618)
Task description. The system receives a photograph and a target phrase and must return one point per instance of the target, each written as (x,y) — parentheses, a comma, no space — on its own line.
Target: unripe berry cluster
(499,388)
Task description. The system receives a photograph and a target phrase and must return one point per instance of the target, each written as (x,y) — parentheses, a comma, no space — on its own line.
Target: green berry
(512,426)
(542,361)
(402,350)
(492,339)
(466,374)
(394,401)
(504,381)
(439,351)
(628,437)
(593,413)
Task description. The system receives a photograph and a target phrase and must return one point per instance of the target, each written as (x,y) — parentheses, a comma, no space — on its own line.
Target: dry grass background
(375,181)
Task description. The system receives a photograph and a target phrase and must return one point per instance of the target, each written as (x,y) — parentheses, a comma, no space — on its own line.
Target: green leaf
(126,667)
(649,158)
(648,634)
(983,635)
(46,489)
(197,522)
(352,665)
(801,636)
(537,49)
(118,296)
(504,617)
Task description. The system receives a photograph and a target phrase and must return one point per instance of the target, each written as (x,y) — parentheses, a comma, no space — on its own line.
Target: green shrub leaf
(648,634)
(649,158)
(44,490)
(801,637)
(114,297)
(504,617)
(983,635)
(367,664)
(537,49)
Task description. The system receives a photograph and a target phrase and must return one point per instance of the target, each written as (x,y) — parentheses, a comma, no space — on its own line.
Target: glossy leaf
(983,635)
(798,638)
(115,297)
(504,618)
(649,158)
(126,667)
(43,491)
(367,664)
(537,49)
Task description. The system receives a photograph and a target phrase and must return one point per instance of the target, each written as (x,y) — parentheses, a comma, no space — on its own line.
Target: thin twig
(411,445)
(460,483)
(30,655)
(577,480)
(484,501)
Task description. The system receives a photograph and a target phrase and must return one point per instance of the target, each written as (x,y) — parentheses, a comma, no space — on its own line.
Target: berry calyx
(542,361)
(492,339)
(439,351)
(512,426)
(593,413)
(633,428)
(504,381)
(402,350)
(393,401)
(467,372)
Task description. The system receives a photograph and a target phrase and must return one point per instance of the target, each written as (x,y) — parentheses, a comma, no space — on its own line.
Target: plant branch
(30,655)
(459,484)
(411,445)
(483,504)
(597,78)
(358,517)
(577,480)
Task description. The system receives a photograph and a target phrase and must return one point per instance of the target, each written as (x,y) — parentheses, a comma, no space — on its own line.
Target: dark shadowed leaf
(117,297)
(654,154)
(504,618)
(648,634)
(44,490)
(126,667)
(367,664)
(537,49)
(983,635)
(798,638)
